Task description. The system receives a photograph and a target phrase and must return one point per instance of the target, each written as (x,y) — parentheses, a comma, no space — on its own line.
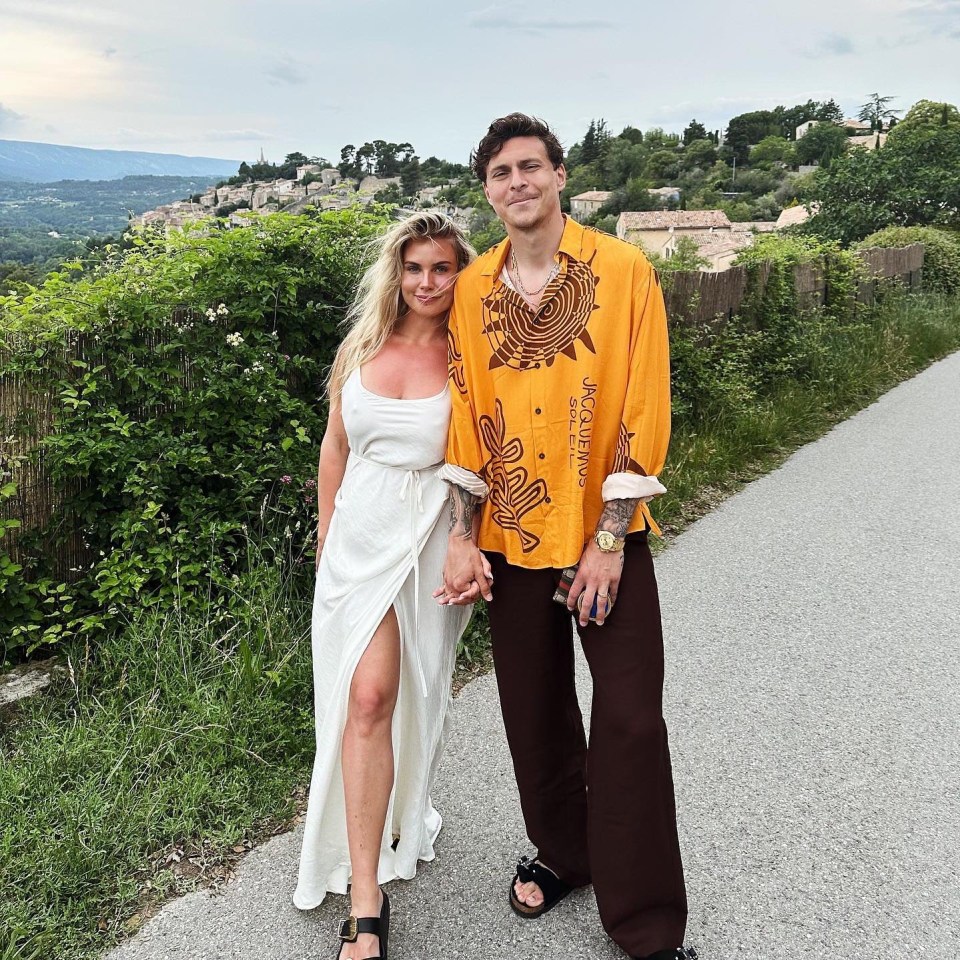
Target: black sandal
(551,886)
(349,929)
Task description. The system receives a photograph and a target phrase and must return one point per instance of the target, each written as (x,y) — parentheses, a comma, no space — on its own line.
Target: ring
(603,596)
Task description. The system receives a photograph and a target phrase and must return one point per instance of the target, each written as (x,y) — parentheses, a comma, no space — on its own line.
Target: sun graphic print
(522,339)
(623,462)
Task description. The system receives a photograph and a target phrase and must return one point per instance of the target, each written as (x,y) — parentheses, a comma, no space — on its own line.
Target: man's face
(522,185)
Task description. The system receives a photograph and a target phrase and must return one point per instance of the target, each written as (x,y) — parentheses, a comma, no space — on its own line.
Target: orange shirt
(548,404)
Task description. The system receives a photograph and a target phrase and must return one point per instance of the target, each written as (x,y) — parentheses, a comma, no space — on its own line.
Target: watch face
(606,540)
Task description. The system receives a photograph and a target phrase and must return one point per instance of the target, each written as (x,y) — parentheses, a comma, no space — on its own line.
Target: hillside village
(320,187)
(659,228)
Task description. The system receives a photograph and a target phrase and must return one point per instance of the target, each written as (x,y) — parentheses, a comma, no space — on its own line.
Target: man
(561,418)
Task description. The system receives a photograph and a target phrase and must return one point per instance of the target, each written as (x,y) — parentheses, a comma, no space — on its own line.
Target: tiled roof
(681,219)
(754,226)
(791,216)
(601,195)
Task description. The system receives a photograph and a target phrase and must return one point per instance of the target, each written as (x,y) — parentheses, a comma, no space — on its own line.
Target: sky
(227,78)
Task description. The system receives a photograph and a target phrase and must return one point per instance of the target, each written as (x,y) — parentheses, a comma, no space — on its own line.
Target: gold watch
(607,542)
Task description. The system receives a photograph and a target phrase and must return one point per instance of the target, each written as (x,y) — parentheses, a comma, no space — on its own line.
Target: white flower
(222,310)
(257,366)
(211,313)
(261,399)
(234,339)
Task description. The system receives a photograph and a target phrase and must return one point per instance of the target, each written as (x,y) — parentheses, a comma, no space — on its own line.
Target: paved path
(813,683)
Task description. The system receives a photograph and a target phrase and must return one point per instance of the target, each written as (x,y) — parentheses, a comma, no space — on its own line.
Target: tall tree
(911,181)
(821,144)
(695,130)
(588,148)
(750,128)
(876,110)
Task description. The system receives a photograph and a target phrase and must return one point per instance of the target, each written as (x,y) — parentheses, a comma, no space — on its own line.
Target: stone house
(585,205)
(306,168)
(375,184)
(658,230)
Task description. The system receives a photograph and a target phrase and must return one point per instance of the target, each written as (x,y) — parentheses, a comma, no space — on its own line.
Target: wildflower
(261,399)
(211,314)
(234,339)
(310,484)
(286,478)
(257,367)
(222,310)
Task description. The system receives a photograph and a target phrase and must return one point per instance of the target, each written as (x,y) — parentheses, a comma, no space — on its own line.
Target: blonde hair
(378,304)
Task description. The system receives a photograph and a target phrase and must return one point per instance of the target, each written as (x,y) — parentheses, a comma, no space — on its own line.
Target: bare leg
(367,761)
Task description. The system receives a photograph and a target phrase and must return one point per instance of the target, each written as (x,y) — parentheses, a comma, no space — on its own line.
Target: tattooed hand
(598,575)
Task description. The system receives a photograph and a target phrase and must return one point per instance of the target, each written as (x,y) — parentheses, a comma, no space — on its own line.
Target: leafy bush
(790,332)
(941,257)
(187,374)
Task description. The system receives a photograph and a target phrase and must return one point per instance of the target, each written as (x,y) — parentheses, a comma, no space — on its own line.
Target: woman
(383,650)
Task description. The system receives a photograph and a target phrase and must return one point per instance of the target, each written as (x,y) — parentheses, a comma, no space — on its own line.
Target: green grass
(179,729)
(190,736)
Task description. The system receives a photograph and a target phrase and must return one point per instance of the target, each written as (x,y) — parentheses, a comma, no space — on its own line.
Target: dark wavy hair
(506,128)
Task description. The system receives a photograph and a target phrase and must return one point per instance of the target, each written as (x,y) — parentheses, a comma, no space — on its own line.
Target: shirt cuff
(466,479)
(631,486)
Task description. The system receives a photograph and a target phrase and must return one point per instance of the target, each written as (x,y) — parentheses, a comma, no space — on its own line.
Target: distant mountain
(46,162)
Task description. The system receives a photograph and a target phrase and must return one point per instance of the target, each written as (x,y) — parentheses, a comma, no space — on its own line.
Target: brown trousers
(606,814)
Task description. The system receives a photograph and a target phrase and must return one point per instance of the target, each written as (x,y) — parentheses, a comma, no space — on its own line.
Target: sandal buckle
(347,929)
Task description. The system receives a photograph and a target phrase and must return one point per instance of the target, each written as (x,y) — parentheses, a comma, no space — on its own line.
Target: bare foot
(530,893)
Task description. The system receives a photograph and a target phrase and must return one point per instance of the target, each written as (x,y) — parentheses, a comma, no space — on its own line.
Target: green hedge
(941,255)
(187,375)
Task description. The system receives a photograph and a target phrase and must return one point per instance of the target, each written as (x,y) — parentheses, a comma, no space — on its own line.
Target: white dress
(385,545)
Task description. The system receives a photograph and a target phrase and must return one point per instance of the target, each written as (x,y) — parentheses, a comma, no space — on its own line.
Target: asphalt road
(813,696)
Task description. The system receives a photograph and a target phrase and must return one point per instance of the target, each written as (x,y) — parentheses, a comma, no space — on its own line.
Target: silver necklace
(554,270)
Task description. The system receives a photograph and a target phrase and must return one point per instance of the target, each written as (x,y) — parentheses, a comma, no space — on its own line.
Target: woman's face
(429,269)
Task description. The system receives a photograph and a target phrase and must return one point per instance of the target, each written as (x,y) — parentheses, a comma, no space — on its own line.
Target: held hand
(597,576)
(466,574)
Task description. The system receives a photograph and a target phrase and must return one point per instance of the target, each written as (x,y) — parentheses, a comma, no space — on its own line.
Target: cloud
(938,17)
(494,18)
(9,118)
(129,135)
(239,135)
(831,45)
(286,71)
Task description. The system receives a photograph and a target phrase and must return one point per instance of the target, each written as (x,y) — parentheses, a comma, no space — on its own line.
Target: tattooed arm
(466,571)
(617,515)
(464,508)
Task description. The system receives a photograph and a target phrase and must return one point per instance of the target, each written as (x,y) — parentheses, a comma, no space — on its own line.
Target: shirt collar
(571,244)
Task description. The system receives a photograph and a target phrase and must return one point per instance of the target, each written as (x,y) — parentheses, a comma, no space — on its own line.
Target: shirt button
(543,456)
(547,500)
(537,411)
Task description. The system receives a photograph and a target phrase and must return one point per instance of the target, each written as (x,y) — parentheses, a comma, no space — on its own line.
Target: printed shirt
(548,404)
